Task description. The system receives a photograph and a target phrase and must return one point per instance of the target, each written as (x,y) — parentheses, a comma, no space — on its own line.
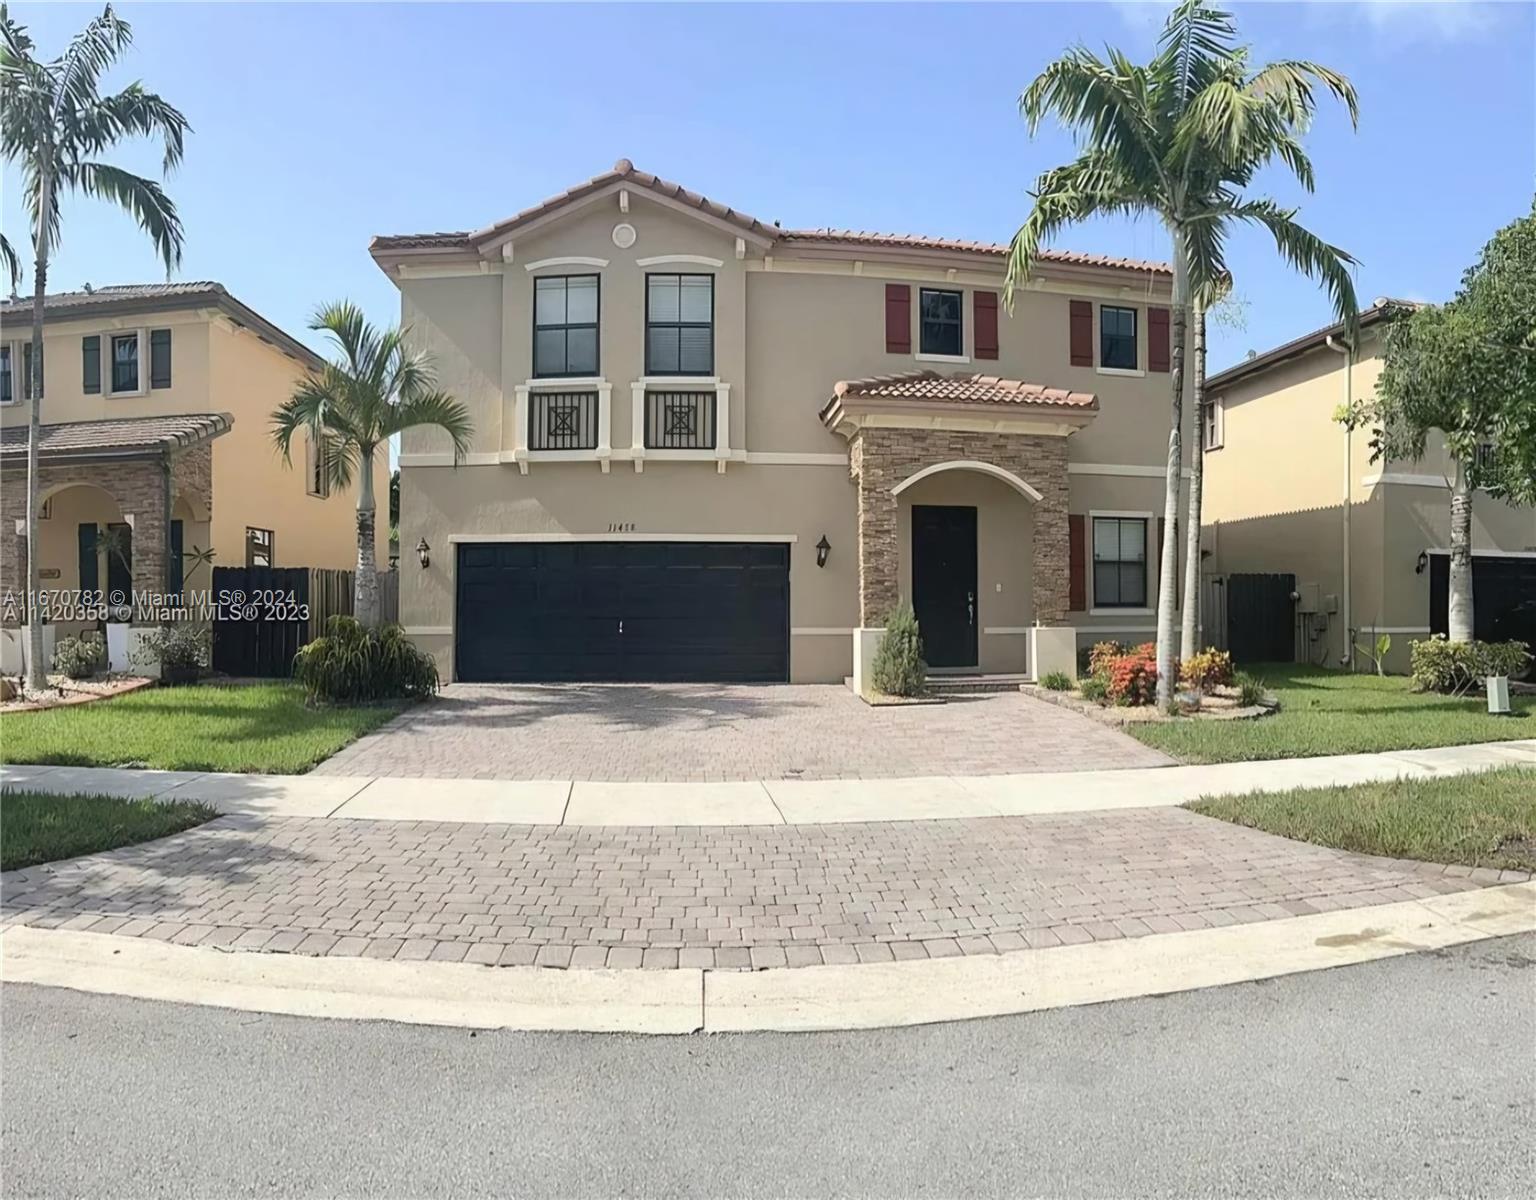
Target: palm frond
(1289,83)
(438,410)
(1308,253)
(10,262)
(1195,40)
(141,198)
(133,112)
(1108,108)
(89,54)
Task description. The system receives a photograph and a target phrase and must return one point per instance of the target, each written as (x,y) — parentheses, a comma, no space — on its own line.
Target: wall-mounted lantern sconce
(424,553)
(1423,564)
(823,548)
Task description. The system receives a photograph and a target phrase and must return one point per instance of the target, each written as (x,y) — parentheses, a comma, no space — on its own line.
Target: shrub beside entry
(899,669)
(80,657)
(1440,665)
(1056,681)
(350,664)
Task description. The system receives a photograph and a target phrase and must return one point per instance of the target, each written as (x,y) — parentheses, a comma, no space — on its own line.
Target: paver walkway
(723,897)
(706,732)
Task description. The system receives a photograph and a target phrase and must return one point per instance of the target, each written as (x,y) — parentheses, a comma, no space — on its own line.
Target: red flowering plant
(1133,677)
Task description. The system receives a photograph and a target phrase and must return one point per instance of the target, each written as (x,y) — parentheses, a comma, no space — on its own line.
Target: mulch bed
(1222,704)
(63,690)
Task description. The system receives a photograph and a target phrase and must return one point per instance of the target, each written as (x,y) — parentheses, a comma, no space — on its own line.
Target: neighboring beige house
(711,448)
(157,412)
(1288,489)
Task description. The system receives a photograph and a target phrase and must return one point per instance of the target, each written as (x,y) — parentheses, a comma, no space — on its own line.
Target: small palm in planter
(181,650)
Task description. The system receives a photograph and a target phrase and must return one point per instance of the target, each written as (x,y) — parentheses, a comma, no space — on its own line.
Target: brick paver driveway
(747,896)
(707,732)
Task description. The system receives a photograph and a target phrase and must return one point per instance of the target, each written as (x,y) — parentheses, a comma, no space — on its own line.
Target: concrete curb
(762,802)
(787,999)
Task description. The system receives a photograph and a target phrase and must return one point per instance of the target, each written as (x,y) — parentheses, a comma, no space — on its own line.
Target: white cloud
(1398,19)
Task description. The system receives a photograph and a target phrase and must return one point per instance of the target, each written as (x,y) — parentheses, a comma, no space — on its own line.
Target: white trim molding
(522,455)
(1127,372)
(429,630)
(1394,629)
(792,458)
(456,538)
(479,458)
(1487,553)
(1006,628)
(681,260)
(821,630)
(969,464)
(1130,470)
(638,450)
(1434,481)
(566,260)
(955,359)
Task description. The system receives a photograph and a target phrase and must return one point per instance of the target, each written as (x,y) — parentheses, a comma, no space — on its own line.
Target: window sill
(959,359)
(129,394)
(1121,612)
(561,382)
(1128,372)
(668,380)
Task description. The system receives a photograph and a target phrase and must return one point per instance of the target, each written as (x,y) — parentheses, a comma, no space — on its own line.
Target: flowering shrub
(1440,665)
(1206,670)
(1133,677)
(1102,657)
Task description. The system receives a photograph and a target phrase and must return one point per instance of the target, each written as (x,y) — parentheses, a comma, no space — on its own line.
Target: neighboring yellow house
(157,412)
(710,448)
(1289,490)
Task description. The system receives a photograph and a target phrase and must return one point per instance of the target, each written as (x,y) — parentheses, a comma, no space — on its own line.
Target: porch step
(968,685)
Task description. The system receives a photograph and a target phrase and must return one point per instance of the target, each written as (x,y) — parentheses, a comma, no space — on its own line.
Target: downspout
(1348,351)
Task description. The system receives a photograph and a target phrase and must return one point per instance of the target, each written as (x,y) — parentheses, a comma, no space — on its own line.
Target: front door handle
(970,607)
(621,626)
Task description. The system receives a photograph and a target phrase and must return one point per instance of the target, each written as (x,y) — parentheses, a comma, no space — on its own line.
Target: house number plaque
(621,527)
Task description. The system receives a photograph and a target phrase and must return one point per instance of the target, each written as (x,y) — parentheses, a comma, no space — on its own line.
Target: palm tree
(351,409)
(1178,139)
(54,123)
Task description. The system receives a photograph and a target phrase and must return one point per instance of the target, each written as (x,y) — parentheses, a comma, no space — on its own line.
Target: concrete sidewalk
(766,802)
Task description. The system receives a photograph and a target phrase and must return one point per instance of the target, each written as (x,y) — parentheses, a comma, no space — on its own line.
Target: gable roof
(118,437)
(124,298)
(625,173)
(1379,311)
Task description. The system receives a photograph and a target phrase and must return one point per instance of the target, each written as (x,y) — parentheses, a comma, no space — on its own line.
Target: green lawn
(258,728)
(1331,712)
(1486,820)
(38,829)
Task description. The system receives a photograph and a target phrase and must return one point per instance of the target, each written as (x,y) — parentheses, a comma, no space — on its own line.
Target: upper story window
(679,324)
(6,395)
(125,362)
(564,326)
(939,328)
(1215,423)
(1117,338)
(317,477)
(1119,562)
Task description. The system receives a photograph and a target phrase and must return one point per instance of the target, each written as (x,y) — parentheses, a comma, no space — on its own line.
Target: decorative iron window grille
(562,421)
(680,420)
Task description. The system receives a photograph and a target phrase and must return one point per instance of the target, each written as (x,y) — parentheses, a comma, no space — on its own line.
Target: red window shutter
(1077,563)
(985,304)
(898,318)
(1082,333)
(1159,357)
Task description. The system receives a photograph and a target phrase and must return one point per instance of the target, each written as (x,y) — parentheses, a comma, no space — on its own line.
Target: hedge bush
(899,669)
(1455,668)
(1209,669)
(352,665)
(80,657)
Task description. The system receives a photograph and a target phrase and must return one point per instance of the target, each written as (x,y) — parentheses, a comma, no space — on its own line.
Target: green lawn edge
(37,828)
(1478,820)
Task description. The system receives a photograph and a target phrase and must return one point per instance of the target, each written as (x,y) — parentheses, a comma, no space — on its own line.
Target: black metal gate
(1261,618)
(260,622)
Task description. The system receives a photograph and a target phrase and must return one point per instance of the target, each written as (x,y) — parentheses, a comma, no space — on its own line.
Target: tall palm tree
(1178,139)
(54,125)
(351,409)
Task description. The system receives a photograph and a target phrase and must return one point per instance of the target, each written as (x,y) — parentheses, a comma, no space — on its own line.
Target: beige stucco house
(707,447)
(157,445)
(1290,490)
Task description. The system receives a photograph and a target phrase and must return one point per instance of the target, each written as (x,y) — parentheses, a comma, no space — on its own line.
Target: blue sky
(317,126)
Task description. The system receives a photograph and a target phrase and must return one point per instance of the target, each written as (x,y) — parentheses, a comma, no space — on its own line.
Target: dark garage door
(627,611)
(1503,597)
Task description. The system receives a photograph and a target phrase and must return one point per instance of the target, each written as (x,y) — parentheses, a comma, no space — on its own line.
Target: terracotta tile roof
(915,241)
(124,436)
(153,297)
(626,171)
(961,389)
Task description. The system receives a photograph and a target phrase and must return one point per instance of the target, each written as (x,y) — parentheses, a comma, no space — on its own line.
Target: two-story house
(156,446)
(1291,490)
(710,448)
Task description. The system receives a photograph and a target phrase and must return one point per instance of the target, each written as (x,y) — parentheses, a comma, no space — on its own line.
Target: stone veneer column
(878,551)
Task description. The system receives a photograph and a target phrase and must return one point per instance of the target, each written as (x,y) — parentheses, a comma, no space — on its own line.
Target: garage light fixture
(1423,563)
(424,553)
(823,548)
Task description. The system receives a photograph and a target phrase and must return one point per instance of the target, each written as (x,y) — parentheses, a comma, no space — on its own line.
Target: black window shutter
(89,580)
(159,358)
(90,363)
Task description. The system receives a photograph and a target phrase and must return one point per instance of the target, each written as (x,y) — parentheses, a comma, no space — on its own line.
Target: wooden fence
(263,641)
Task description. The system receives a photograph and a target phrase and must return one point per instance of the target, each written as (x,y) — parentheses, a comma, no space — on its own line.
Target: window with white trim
(1119,562)
(317,478)
(679,324)
(125,362)
(565,326)
(1215,426)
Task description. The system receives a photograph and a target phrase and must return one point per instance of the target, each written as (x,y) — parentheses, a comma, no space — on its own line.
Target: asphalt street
(1409,1077)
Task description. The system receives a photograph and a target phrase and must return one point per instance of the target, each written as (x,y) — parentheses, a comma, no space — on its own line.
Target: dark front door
(944,582)
(622,611)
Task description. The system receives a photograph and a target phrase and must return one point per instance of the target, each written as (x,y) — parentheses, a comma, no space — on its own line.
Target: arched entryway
(965,534)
